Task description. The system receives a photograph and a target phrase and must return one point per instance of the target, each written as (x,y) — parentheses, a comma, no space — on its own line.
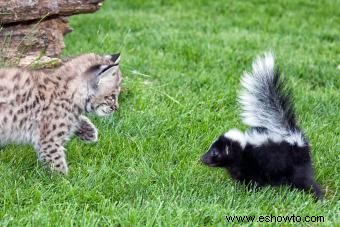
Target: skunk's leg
(317,190)
(303,179)
(310,185)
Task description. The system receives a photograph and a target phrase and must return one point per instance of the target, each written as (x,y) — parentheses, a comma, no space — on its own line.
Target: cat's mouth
(104,110)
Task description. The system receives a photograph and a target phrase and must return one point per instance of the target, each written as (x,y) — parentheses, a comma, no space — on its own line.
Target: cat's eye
(113,96)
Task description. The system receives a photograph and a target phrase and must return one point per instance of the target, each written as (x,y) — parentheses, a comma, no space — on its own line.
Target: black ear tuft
(115,57)
(104,68)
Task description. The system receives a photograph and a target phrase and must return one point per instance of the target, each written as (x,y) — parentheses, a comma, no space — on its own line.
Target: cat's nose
(114,107)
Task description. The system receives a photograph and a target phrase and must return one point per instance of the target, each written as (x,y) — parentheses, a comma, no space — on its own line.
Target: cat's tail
(267,103)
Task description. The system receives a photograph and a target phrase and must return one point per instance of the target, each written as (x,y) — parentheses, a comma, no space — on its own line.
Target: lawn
(181,62)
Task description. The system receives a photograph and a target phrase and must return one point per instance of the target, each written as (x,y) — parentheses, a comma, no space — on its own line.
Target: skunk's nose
(203,159)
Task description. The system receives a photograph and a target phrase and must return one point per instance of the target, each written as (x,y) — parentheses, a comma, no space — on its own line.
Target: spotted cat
(45,110)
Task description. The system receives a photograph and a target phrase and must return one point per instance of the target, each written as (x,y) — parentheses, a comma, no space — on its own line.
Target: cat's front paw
(87,131)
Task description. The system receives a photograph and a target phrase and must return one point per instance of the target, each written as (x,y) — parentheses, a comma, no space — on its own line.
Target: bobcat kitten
(45,110)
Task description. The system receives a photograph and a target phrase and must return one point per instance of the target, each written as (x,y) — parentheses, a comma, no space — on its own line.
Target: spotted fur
(45,110)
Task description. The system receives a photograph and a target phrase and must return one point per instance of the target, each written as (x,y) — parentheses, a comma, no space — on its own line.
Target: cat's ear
(108,73)
(102,73)
(115,58)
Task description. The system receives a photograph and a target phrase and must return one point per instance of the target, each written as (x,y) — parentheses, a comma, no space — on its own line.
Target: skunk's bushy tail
(267,103)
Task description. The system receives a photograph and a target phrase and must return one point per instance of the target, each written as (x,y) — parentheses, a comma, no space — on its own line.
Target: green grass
(189,55)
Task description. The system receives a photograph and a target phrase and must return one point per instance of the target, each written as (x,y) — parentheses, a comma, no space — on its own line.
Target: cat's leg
(50,145)
(52,153)
(86,131)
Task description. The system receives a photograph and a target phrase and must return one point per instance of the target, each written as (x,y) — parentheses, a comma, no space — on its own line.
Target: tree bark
(43,38)
(33,30)
(14,11)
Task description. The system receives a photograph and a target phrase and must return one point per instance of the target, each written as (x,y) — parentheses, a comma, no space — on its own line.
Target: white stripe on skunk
(266,103)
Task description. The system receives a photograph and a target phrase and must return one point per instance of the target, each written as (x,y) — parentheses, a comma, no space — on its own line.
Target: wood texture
(44,38)
(32,31)
(14,11)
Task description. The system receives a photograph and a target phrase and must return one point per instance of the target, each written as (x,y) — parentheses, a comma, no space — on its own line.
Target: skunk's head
(224,149)
(217,154)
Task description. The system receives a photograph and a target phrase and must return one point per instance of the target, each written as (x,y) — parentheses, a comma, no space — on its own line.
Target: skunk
(274,151)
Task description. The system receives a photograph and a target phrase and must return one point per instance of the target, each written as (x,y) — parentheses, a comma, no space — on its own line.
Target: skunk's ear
(100,73)
(115,58)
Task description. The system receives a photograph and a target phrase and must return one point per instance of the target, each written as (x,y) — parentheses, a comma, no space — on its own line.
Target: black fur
(270,164)
(278,159)
(114,57)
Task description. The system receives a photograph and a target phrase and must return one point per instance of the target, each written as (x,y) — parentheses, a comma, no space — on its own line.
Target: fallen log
(33,31)
(14,11)
(27,40)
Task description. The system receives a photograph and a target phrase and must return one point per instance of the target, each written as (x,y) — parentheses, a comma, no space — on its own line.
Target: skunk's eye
(214,152)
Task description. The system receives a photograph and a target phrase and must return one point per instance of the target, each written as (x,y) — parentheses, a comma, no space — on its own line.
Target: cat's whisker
(135,72)
(167,95)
